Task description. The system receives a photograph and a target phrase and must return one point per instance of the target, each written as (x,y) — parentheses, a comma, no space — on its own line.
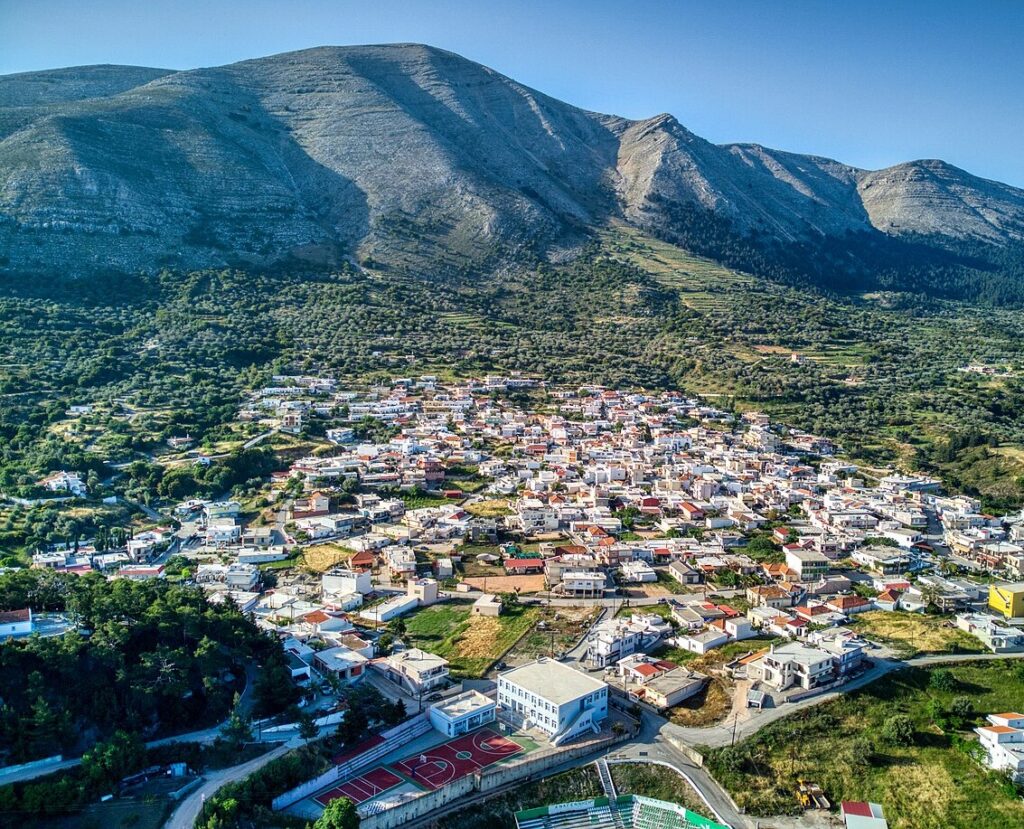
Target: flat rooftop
(556,682)
(466,703)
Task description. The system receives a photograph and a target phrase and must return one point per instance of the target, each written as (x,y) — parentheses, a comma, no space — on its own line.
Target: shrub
(898,730)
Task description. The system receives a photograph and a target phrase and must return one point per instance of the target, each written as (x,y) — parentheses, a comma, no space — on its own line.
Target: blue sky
(870,83)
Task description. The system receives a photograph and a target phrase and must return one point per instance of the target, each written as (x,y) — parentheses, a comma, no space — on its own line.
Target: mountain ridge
(414,157)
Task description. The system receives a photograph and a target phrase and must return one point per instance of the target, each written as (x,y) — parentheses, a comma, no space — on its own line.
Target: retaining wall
(492,779)
(691,753)
(35,764)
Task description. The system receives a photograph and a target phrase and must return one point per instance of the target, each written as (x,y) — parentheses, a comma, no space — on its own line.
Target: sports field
(457,758)
(362,788)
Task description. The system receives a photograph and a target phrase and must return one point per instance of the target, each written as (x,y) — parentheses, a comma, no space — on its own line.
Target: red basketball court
(458,758)
(362,788)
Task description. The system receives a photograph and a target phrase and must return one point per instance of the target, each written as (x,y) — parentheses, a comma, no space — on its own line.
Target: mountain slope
(416,158)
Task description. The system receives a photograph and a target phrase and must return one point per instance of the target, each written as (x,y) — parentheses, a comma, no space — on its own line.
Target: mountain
(417,158)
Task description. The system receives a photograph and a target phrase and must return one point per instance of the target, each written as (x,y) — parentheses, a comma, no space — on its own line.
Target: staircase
(605,775)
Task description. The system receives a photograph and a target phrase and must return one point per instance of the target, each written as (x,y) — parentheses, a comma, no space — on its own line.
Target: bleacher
(623,812)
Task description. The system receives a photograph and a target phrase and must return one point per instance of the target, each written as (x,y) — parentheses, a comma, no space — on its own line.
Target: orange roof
(316,617)
(1012,715)
(999,729)
(646,669)
(753,657)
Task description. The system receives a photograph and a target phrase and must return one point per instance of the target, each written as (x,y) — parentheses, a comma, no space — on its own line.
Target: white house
(391,609)
(415,670)
(343,662)
(635,572)
(703,641)
(1003,741)
(222,531)
(342,581)
(997,636)
(554,698)
(809,565)
(65,482)
(793,664)
(15,622)
(461,714)
(614,639)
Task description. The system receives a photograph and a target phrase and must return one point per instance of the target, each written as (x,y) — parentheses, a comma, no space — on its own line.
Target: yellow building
(1007,599)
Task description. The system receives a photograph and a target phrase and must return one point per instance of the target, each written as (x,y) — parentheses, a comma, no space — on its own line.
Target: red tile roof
(8,617)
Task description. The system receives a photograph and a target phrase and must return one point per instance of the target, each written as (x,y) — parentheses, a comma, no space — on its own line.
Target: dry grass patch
(506,584)
(480,637)
(710,706)
(909,634)
(322,557)
(490,508)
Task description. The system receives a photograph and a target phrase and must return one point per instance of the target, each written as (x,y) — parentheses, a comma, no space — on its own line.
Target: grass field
(470,643)
(933,783)
(659,782)
(423,499)
(913,634)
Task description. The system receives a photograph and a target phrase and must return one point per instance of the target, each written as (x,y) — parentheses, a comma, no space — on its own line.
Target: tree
(109,761)
(275,690)
(942,680)
(898,730)
(339,814)
(307,726)
(962,707)
(729,578)
(236,730)
(353,727)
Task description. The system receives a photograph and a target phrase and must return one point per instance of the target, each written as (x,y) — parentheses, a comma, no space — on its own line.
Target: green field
(577,784)
(659,782)
(471,644)
(933,782)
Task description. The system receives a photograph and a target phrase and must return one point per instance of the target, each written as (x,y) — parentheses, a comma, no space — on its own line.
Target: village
(532,571)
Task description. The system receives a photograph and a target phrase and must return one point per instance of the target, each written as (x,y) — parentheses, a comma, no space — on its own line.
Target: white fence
(319,722)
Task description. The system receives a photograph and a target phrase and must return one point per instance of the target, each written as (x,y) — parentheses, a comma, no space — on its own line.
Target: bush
(942,680)
(862,752)
(898,730)
(962,707)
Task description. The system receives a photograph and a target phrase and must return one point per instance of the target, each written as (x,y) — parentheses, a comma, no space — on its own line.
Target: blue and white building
(553,698)
(463,713)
